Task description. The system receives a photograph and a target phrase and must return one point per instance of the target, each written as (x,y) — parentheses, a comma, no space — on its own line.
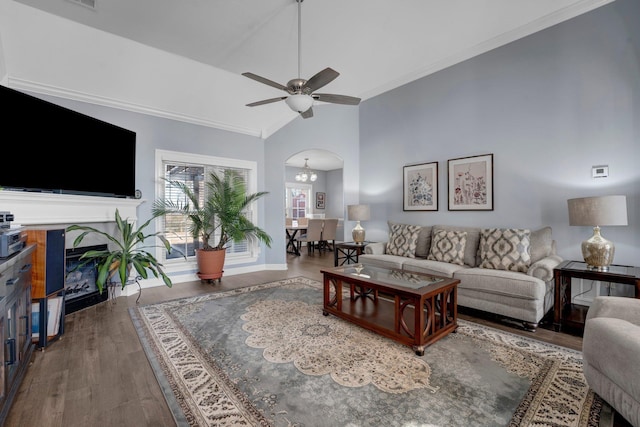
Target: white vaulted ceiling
(184,59)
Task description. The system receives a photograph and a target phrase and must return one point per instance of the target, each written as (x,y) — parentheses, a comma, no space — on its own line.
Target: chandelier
(306,174)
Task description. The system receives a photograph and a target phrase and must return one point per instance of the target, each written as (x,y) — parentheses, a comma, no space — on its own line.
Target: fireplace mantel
(31,209)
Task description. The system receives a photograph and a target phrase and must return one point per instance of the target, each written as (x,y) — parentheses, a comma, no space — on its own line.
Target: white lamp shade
(597,211)
(358,212)
(299,103)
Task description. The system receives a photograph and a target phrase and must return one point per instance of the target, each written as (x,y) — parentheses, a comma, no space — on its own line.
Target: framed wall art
(320,199)
(471,183)
(421,187)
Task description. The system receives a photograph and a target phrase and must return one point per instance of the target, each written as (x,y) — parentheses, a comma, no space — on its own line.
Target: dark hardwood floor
(98,375)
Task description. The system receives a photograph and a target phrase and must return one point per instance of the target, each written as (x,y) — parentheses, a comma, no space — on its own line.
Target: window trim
(254,248)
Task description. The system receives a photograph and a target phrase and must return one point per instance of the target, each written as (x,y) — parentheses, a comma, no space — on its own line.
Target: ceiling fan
(301,91)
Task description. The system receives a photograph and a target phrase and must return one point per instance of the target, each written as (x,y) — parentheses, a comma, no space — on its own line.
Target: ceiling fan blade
(322,78)
(336,99)
(266,101)
(307,114)
(265,81)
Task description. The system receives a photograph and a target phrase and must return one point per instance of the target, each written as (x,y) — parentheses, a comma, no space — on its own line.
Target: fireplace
(80,286)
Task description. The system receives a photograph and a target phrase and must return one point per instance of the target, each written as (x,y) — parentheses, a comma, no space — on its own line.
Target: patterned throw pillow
(403,239)
(448,246)
(505,249)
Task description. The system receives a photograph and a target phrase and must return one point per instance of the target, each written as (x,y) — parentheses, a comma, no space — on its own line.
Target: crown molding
(17,83)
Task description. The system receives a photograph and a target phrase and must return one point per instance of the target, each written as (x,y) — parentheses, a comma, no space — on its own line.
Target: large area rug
(265,355)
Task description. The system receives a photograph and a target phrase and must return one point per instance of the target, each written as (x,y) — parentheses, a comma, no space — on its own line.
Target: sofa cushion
(473,239)
(541,244)
(403,239)
(502,282)
(505,249)
(448,246)
(383,261)
(436,268)
(424,242)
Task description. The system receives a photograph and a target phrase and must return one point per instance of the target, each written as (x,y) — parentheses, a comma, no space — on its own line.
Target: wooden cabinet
(15,324)
(48,276)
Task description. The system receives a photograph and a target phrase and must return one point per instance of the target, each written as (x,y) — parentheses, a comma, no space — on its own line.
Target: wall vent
(91,4)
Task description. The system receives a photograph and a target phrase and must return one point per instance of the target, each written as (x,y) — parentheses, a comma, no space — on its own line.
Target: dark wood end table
(564,312)
(347,252)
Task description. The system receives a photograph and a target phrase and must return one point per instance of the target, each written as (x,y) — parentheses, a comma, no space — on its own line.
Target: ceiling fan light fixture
(299,103)
(301,91)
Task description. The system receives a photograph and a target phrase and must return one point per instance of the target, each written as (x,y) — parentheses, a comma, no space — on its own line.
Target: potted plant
(128,253)
(221,215)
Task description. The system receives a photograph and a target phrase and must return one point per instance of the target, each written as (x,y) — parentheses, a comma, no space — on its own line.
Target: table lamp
(598,211)
(358,213)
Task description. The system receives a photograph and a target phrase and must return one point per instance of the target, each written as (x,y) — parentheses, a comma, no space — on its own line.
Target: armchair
(611,353)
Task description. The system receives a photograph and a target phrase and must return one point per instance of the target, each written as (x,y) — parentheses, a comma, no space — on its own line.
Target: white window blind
(192,174)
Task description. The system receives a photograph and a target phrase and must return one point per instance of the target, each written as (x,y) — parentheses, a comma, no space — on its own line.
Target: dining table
(292,232)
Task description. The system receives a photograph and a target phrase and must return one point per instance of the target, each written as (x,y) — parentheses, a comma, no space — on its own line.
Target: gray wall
(154,133)
(333,128)
(320,185)
(549,107)
(328,182)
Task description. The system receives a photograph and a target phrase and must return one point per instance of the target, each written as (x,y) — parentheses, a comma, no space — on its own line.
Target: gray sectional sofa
(508,272)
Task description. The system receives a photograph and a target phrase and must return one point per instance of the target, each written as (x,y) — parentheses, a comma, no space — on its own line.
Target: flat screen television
(48,148)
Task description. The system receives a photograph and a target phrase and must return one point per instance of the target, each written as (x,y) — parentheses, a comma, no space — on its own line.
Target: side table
(347,252)
(574,314)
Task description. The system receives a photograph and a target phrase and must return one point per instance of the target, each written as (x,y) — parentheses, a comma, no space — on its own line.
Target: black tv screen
(46,147)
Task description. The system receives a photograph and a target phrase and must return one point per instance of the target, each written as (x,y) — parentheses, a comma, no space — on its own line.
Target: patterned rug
(265,355)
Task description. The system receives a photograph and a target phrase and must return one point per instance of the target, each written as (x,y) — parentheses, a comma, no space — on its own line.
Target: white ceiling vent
(91,4)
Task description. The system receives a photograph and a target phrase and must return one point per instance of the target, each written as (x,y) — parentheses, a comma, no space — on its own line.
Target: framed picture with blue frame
(420,187)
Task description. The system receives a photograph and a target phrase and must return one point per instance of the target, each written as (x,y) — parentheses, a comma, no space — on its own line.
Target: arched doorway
(320,198)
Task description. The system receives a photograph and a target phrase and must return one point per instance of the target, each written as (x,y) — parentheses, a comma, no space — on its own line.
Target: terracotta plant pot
(210,264)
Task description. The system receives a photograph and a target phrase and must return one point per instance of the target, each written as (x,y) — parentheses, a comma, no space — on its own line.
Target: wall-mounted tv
(46,147)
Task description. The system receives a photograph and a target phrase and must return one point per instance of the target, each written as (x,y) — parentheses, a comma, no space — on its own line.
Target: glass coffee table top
(388,276)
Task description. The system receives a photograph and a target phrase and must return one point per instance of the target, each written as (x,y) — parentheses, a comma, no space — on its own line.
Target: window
(298,200)
(193,170)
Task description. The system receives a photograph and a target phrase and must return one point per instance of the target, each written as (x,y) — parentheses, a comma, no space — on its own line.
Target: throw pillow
(424,240)
(505,249)
(448,246)
(403,239)
(471,250)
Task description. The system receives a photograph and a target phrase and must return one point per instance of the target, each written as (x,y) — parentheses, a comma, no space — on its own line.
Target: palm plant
(128,252)
(221,213)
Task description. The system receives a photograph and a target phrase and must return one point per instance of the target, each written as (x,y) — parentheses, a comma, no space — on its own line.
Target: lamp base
(598,252)
(358,234)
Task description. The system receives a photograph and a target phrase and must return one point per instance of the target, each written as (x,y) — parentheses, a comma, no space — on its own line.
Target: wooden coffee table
(413,309)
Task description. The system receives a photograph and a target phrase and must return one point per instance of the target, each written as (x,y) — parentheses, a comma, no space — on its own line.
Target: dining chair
(329,230)
(313,236)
